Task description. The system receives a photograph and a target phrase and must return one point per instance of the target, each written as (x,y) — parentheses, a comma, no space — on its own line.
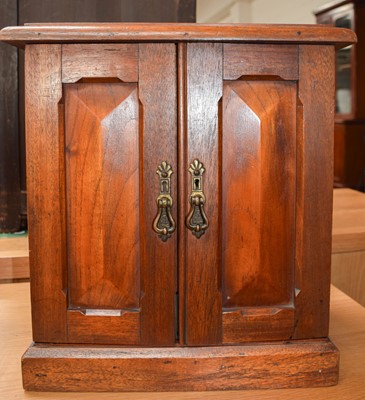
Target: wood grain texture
(346,330)
(158,121)
(204,90)
(266,61)
(9,129)
(45,209)
(252,324)
(96,326)
(259,119)
(182,188)
(259,122)
(314,190)
(294,364)
(99,61)
(256,33)
(102,192)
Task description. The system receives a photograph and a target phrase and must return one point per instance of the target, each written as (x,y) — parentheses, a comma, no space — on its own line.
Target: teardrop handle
(197,220)
(164,224)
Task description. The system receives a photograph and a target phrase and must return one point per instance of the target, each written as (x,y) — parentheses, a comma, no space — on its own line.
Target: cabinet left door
(100,119)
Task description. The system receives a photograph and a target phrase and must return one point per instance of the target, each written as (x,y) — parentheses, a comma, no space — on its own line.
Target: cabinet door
(259,121)
(98,128)
(242,103)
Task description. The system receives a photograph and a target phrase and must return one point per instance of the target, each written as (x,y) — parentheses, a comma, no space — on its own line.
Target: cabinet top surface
(130,32)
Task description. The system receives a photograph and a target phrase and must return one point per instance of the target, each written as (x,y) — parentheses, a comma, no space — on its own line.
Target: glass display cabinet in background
(349,140)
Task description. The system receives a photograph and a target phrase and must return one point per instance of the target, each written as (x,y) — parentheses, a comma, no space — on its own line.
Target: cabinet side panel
(204,91)
(102,191)
(45,191)
(158,142)
(314,189)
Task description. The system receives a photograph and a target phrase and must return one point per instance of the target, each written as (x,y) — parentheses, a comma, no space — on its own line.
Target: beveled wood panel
(258,192)
(112,32)
(102,192)
(203,255)
(43,92)
(314,190)
(253,60)
(158,122)
(96,326)
(99,61)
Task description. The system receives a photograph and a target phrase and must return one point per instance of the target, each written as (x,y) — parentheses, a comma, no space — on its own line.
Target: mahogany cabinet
(180,198)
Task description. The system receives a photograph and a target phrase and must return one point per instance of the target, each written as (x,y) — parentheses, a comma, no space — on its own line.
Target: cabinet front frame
(45,170)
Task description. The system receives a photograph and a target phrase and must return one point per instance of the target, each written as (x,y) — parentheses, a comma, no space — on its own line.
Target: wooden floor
(347,330)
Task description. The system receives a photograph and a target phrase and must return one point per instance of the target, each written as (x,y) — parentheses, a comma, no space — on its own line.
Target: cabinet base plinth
(291,364)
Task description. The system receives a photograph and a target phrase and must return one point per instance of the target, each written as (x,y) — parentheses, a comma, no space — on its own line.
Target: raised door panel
(102,187)
(258,203)
(241,125)
(118,130)
(96,140)
(102,197)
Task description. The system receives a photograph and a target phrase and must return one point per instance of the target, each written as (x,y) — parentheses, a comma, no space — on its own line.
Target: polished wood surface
(99,61)
(46,192)
(114,281)
(258,208)
(158,97)
(346,325)
(260,60)
(204,90)
(266,365)
(102,191)
(314,190)
(102,216)
(64,33)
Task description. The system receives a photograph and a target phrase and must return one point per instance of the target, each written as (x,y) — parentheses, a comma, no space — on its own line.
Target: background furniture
(346,330)
(107,106)
(14,258)
(18,12)
(348,243)
(349,161)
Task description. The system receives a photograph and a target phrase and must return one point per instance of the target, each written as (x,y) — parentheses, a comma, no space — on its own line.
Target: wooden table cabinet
(212,273)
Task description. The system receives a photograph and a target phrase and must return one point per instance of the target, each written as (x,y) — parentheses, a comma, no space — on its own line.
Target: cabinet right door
(242,124)
(259,107)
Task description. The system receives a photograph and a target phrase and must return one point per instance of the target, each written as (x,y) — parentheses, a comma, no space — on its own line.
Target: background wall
(258,11)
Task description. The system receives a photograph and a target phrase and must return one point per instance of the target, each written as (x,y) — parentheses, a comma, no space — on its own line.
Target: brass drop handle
(164,224)
(197,220)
